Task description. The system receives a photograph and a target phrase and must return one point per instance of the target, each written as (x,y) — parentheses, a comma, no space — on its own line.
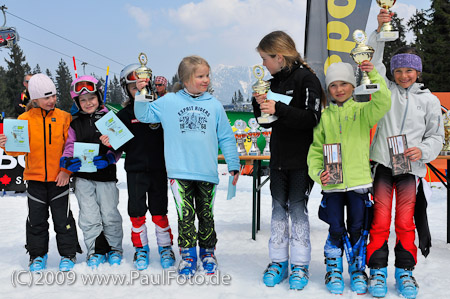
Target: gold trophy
(143,72)
(359,54)
(262,87)
(386,33)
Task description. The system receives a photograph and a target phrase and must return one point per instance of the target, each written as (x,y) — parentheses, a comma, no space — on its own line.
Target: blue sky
(222,31)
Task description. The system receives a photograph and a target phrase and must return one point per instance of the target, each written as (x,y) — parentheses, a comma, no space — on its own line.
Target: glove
(70,163)
(102,161)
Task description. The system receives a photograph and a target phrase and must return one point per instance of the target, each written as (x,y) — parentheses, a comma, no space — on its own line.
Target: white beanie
(340,71)
(41,86)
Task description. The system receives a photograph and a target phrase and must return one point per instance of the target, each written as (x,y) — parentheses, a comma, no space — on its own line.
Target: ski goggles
(131,77)
(81,86)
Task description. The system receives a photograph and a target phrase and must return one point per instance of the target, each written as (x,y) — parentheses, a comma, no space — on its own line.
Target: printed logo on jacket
(193,119)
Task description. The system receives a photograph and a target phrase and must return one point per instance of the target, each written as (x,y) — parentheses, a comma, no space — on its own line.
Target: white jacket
(414,112)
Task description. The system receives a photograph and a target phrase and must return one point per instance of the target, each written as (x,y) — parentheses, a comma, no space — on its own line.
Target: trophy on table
(266,134)
(386,34)
(240,136)
(254,134)
(359,54)
(262,87)
(143,72)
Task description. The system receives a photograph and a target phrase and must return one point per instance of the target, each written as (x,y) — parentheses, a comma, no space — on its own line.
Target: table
(257,185)
(445,177)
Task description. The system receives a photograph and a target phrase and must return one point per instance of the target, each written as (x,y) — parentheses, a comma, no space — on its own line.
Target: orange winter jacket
(47,132)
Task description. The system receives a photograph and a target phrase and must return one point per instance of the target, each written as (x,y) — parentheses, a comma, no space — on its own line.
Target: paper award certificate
(112,126)
(16,131)
(332,160)
(86,153)
(397,146)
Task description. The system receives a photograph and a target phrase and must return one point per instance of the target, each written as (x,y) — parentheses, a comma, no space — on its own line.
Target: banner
(329,29)
(11,172)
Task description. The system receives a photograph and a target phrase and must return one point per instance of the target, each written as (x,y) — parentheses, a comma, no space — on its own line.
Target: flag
(329,28)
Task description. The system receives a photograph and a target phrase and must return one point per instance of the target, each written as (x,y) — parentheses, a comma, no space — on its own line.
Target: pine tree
(37,69)
(63,81)
(49,74)
(116,91)
(240,98)
(13,79)
(174,80)
(432,42)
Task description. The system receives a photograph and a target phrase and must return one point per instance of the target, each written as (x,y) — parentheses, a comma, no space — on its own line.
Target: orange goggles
(132,77)
(87,86)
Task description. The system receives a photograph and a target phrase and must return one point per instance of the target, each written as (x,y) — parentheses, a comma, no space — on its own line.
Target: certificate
(278,97)
(86,153)
(16,131)
(231,188)
(112,126)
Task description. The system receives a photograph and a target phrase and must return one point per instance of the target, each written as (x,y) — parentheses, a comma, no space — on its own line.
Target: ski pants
(405,200)
(290,190)
(99,218)
(41,197)
(332,212)
(148,191)
(195,197)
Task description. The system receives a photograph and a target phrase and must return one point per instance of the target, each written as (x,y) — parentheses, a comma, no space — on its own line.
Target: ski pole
(75,67)
(106,85)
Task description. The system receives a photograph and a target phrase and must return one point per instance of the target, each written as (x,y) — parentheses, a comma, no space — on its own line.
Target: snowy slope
(241,260)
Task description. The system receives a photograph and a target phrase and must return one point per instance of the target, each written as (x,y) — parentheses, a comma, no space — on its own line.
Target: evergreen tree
(174,80)
(433,44)
(63,81)
(13,79)
(37,69)
(115,93)
(49,74)
(234,99)
(392,46)
(240,98)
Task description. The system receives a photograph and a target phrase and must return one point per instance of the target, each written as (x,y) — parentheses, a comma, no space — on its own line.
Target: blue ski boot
(188,264)
(299,277)
(67,263)
(275,273)
(209,261)
(39,263)
(358,279)
(95,260)
(405,283)
(167,256)
(377,282)
(141,259)
(114,257)
(333,279)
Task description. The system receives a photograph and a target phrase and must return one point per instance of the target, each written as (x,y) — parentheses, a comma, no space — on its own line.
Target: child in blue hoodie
(195,125)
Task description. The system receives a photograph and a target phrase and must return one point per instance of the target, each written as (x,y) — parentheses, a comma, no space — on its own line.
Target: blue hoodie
(194,128)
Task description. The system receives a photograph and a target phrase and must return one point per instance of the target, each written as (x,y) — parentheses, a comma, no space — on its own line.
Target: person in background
(22,100)
(48,186)
(415,113)
(292,133)
(161,86)
(195,126)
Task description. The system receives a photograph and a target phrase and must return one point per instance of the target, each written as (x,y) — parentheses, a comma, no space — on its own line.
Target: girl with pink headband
(415,113)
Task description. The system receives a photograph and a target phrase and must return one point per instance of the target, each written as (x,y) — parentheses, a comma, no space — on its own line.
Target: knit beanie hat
(41,86)
(340,71)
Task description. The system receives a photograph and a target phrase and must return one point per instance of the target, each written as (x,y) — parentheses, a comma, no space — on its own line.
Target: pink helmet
(85,84)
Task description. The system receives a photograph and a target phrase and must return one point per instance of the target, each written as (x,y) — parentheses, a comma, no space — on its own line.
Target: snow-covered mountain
(226,80)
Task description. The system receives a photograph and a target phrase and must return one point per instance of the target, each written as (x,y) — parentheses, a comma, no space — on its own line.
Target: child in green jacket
(347,123)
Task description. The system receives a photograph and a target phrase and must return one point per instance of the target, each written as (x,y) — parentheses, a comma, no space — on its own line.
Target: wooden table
(257,185)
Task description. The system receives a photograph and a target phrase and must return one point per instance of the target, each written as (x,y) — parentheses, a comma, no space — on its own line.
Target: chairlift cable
(65,39)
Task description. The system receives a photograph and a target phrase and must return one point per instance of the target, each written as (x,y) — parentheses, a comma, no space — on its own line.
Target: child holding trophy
(343,136)
(195,125)
(146,178)
(416,114)
(292,134)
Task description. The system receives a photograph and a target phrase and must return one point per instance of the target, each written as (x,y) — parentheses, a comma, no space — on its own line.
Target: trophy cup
(262,87)
(266,133)
(386,34)
(359,54)
(254,133)
(143,72)
(446,148)
(240,135)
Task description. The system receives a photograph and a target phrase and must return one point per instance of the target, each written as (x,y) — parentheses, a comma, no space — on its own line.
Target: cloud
(141,18)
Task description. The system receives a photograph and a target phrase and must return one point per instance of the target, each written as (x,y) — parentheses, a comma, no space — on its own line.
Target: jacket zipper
(404,115)
(49,133)
(45,148)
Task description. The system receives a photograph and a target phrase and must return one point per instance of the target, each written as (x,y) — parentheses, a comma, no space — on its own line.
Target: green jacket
(350,126)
